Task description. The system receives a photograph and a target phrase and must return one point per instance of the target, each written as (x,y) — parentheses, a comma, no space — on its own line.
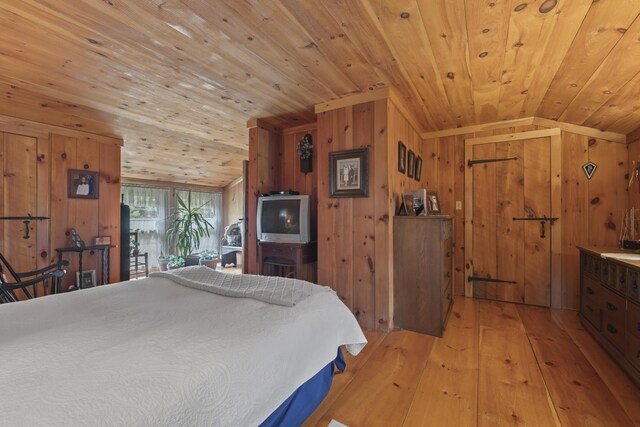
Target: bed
(168,350)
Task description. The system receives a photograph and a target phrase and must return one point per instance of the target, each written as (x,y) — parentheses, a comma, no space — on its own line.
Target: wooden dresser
(610,305)
(422,272)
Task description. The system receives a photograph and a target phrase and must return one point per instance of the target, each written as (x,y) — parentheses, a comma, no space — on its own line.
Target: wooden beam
(512,136)
(358,98)
(262,124)
(300,128)
(538,121)
(41,130)
(581,130)
(238,180)
(479,128)
(176,185)
(633,136)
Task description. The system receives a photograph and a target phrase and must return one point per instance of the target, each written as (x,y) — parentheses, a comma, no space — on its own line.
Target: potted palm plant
(188,226)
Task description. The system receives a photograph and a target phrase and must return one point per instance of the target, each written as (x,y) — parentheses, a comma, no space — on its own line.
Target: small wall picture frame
(87,280)
(349,173)
(402,157)
(82,184)
(417,174)
(433,203)
(411,160)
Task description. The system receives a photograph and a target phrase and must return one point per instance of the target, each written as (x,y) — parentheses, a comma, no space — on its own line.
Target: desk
(104,259)
(287,259)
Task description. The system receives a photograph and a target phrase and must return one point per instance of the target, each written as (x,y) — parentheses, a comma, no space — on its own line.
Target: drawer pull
(590,291)
(612,328)
(611,307)
(448,274)
(622,280)
(635,285)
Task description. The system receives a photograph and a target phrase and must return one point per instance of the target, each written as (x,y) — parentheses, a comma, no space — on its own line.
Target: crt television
(284,219)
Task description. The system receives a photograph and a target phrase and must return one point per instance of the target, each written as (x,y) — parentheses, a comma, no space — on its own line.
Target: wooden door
(19,198)
(511,258)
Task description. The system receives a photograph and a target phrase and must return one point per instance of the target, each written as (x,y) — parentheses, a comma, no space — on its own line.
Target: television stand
(293,260)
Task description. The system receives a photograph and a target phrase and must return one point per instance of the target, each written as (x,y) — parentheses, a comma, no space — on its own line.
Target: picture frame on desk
(88,279)
(103,240)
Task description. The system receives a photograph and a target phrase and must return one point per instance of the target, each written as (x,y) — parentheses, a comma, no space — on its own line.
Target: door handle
(542,220)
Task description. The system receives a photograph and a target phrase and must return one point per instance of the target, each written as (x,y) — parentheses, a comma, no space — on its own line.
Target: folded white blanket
(272,290)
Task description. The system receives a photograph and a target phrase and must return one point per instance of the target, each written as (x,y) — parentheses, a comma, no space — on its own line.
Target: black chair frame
(29,282)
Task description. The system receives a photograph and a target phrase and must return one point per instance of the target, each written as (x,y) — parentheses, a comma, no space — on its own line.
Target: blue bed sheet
(297,408)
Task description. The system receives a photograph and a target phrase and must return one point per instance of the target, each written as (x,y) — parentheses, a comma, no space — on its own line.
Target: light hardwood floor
(497,364)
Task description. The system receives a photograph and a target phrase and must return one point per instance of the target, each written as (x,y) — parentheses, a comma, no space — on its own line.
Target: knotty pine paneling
(292,178)
(232,202)
(265,158)
(355,234)
(591,210)
(634,162)
(44,159)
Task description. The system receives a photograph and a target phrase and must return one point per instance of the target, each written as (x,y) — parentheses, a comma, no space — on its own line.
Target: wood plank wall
(634,156)
(355,234)
(355,241)
(56,153)
(592,210)
(233,202)
(265,154)
(291,177)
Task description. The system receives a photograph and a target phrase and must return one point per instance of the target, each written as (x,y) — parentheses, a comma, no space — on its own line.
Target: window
(210,204)
(151,208)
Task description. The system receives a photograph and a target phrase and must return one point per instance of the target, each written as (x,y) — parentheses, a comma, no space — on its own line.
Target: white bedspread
(154,353)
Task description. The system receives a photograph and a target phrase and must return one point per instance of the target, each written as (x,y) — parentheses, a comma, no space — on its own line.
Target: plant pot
(306,165)
(162,263)
(211,263)
(191,260)
(171,267)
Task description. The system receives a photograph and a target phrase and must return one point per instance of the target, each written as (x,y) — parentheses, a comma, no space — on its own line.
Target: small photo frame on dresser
(88,279)
(432,203)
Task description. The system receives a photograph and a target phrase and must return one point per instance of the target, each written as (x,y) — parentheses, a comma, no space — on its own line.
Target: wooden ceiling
(178,79)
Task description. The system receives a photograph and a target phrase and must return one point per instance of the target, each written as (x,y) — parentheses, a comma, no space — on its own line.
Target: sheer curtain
(149,211)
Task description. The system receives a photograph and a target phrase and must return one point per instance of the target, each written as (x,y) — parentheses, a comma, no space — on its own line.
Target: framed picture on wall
(417,174)
(411,160)
(82,184)
(402,157)
(349,173)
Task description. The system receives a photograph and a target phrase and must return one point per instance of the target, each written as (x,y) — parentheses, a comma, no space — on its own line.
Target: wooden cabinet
(610,305)
(422,271)
(293,260)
